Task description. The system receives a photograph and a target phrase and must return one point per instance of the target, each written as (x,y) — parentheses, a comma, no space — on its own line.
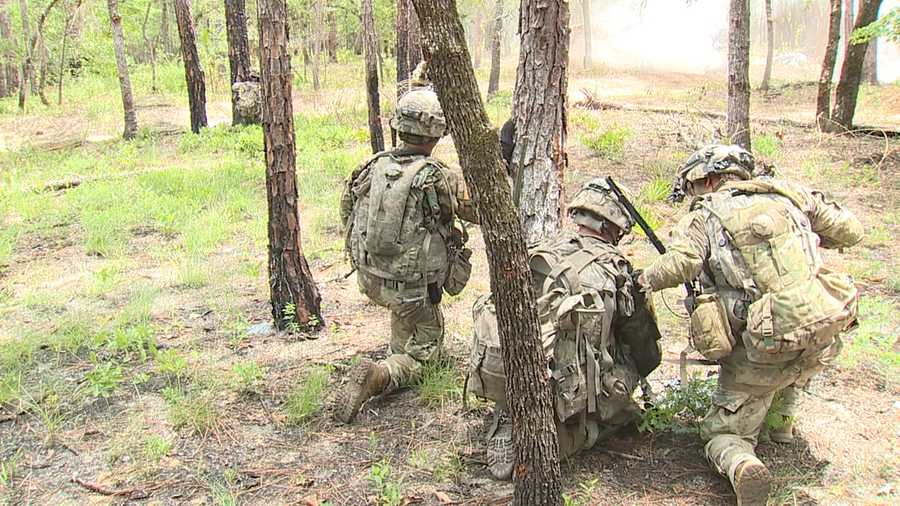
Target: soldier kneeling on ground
(599,332)
(769,311)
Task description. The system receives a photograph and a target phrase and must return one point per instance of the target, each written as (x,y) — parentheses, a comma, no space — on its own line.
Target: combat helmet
(713,159)
(594,203)
(419,113)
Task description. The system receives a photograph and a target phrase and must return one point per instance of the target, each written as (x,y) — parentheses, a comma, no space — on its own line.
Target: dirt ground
(846,453)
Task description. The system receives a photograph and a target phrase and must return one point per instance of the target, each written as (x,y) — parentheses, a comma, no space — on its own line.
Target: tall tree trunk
(37,46)
(318,20)
(851,70)
(294,295)
(737,117)
(238,53)
(151,45)
(376,134)
(414,42)
(588,33)
(823,96)
(536,474)
(402,53)
(27,71)
(122,66)
(770,46)
(332,38)
(6,36)
(193,73)
(477,37)
(539,109)
(496,35)
(164,24)
(870,64)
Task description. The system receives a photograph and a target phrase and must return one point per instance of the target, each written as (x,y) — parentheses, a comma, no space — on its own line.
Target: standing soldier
(599,332)
(399,210)
(768,310)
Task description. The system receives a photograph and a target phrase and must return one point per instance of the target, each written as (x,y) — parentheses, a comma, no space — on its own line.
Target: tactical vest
(765,266)
(395,230)
(583,285)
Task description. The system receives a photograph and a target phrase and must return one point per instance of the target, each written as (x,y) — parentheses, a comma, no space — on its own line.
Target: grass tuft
(307,399)
(440,382)
(609,144)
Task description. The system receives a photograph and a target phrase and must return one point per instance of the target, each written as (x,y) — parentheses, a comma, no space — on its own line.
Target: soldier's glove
(640,283)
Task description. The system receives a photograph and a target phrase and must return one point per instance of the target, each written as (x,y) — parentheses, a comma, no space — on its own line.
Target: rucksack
(795,303)
(394,229)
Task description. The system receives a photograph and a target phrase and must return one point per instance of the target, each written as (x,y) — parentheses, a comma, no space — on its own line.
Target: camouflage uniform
(702,248)
(408,281)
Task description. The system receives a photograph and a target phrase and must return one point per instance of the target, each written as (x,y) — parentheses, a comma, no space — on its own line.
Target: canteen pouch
(458,272)
(710,330)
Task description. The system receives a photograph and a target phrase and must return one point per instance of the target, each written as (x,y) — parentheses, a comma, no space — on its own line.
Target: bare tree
(539,109)
(496,36)
(823,96)
(238,54)
(588,33)
(164,27)
(737,117)
(151,45)
(409,49)
(770,46)
(193,72)
(332,37)
(376,134)
(27,73)
(293,292)
(847,88)
(316,39)
(37,45)
(122,66)
(70,15)
(6,64)
(537,474)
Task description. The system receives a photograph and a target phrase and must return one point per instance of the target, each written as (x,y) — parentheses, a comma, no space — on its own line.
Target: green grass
(678,407)
(104,379)
(609,144)
(248,377)
(387,489)
(766,146)
(307,398)
(172,365)
(873,342)
(440,382)
(194,408)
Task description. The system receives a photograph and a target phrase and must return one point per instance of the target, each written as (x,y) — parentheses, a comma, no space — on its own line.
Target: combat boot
(785,433)
(500,453)
(751,483)
(367,380)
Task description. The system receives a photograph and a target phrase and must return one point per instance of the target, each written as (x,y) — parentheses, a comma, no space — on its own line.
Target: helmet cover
(419,113)
(594,202)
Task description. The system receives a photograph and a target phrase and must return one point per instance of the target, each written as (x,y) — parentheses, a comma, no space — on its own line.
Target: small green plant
(679,404)
(387,491)
(656,190)
(156,447)
(609,143)
(195,409)
(418,459)
(289,317)
(373,441)
(308,397)
(439,383)
(448,467)
(104,379)
(9,468)
(171,364)
(247,377)
(767,146)
(584,496)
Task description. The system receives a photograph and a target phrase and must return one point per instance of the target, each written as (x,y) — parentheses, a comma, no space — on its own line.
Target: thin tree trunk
(164,23)
(238,53)
(376,134)
(588,34)
(294,296)
(6,36)
(414,41)
(193,72)
(496,35)
(70,15)
(770,46)
(151,44)
(847,88)
(537,473)
(477,37)
(402,54)
(539,109)
(737,118)
(42,81)
(37,44)
(332,38)
(870,64)
(317,43)
(26,73)
(823,96)
(122,66)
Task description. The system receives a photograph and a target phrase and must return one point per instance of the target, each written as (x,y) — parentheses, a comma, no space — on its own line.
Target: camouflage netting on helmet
(249,102)
(595,201)
(419,113)
(712,159)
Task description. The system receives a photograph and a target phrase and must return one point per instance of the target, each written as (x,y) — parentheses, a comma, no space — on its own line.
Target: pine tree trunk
(317,43)
(332,38)
(122,66)
(6,36)
(847,88)
(414,42)
(537,473)
(737,117)
(193,73)
(870,64)
(539,109)
(477,37)
(38,47)
(588,34)
(376,134)
(402,46)
(294,295)
(770,46)
(26,73)
(823,96)
(151,45)
(164,22)
(238,54)
(496,35)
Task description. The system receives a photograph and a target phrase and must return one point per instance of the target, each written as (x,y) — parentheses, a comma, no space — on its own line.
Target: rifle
(691,292)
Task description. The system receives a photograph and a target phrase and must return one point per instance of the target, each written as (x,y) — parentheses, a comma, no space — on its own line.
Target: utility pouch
(459,271)
(434,293)
(710,330)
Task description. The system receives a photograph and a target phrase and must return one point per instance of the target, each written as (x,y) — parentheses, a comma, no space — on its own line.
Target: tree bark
(408,46)
(539,109)
(847,88)
(193,72)
(376,134)
(536,474)
(37,44)
(317,43)
(737,118)
(294,296)
(164,27)
(6,87)
(238,54)
(770,46)
(122,66)
(27,72)
(332,38)
(477,37)
(151,45)
(588,34)
(870,64)
(496,36)
(70,15)
(823,96)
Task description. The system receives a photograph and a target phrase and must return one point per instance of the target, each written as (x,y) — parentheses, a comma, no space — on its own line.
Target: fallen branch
(132,493)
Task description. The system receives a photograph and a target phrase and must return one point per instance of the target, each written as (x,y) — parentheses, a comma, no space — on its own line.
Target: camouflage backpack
(767,249)
(580,284)
(394,230)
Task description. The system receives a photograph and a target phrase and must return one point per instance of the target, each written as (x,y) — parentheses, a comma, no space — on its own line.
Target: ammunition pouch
(710,330)
(459,271)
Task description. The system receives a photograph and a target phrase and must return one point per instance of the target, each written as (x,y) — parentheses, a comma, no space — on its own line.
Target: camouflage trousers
(417,327)
(743,398)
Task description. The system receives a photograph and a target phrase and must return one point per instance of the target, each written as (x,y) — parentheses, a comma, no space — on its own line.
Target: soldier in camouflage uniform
(601,333)
(769,311)
(399,210)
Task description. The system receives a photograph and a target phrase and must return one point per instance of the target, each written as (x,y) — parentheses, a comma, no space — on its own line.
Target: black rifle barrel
(654,240)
